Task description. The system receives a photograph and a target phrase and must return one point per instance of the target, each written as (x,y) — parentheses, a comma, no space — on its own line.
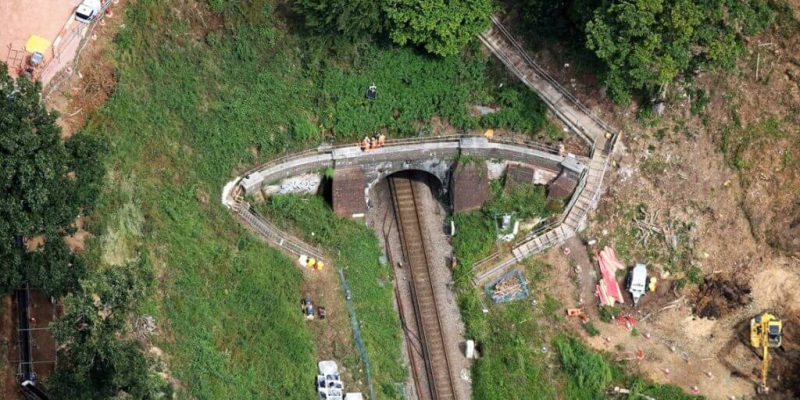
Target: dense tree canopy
(45,182)
(442,27)
(349,17)
(648,44)
(98,359)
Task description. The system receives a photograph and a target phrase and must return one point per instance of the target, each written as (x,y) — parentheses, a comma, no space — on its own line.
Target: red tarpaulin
(608,289)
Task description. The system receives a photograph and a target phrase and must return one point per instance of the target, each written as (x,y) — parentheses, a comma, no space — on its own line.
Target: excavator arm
(764,368)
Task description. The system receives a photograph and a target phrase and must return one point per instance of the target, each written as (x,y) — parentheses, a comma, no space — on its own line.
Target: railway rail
(412,235)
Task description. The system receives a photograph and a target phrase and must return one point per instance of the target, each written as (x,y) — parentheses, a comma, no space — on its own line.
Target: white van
(637,282)
(87,11)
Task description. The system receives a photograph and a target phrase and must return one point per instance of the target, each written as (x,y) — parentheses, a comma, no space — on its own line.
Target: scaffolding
(28,363)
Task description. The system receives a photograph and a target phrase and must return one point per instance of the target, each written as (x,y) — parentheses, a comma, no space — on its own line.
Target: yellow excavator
(766,331)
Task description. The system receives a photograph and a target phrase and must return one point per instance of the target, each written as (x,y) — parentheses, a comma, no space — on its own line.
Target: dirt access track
(52,20)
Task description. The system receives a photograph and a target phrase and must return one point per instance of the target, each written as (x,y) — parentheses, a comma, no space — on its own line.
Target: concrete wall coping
(352,155)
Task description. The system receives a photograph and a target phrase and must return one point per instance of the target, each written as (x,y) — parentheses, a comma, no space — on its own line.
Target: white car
(87,11)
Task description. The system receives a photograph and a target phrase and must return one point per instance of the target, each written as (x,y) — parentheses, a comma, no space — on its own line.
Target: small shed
(470,185)
(348,192)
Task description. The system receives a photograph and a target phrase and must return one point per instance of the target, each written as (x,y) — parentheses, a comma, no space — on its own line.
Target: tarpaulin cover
(37,43)
(608,289)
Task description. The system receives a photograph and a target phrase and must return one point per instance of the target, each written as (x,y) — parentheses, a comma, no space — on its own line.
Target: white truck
(637,282)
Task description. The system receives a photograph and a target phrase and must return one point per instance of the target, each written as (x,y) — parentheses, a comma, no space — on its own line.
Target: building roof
(348,192)
(562,187)
(470,186)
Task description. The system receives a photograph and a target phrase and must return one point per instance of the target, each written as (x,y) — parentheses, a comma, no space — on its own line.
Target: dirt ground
(93,82)
(333,336)
(742,209)
(21,19)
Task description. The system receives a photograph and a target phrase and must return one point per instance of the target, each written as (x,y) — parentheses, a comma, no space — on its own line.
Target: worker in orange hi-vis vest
(381,140)
(365,143)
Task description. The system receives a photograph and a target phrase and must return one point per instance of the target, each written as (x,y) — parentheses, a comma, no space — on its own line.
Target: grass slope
(356,250)
(206,89)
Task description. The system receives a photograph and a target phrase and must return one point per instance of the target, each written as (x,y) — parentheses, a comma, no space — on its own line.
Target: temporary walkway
(577,117)
(598,135)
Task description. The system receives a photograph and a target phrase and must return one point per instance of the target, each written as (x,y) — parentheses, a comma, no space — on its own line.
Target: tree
(442,27)
(53,268)
(348,17)
(45,182)
(98,358)
(648,44)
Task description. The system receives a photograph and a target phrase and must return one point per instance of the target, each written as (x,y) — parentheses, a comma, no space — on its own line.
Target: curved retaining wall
(397,155)
(399,151)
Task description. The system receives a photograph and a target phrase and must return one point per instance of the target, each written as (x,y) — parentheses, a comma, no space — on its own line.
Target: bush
(589,373)
(608,313)
(590,329)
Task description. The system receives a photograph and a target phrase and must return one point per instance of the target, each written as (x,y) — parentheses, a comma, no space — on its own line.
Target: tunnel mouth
(418,175)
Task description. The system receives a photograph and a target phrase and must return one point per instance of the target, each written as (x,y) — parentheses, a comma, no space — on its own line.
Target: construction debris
(608,289)
(578,312)
(509,287)
(627,320)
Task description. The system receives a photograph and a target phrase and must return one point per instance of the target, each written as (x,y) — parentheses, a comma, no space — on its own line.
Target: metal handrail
(546,76)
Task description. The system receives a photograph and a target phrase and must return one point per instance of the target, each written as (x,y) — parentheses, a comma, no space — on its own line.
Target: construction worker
(311,262)
(365,144)
(381,140)
(319,265)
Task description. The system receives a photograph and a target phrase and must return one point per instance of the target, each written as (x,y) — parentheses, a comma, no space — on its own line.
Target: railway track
(434,354)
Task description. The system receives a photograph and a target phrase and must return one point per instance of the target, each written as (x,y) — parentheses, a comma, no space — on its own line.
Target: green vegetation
(474,239)
(225,87)
(608,313)
(411,88)
(526,201)
(646,45)
(512,365)
(441,27)
(589,372)
(355,249)
(46,183)
(414,88)
(590,329)
(476,231)
(97,357)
